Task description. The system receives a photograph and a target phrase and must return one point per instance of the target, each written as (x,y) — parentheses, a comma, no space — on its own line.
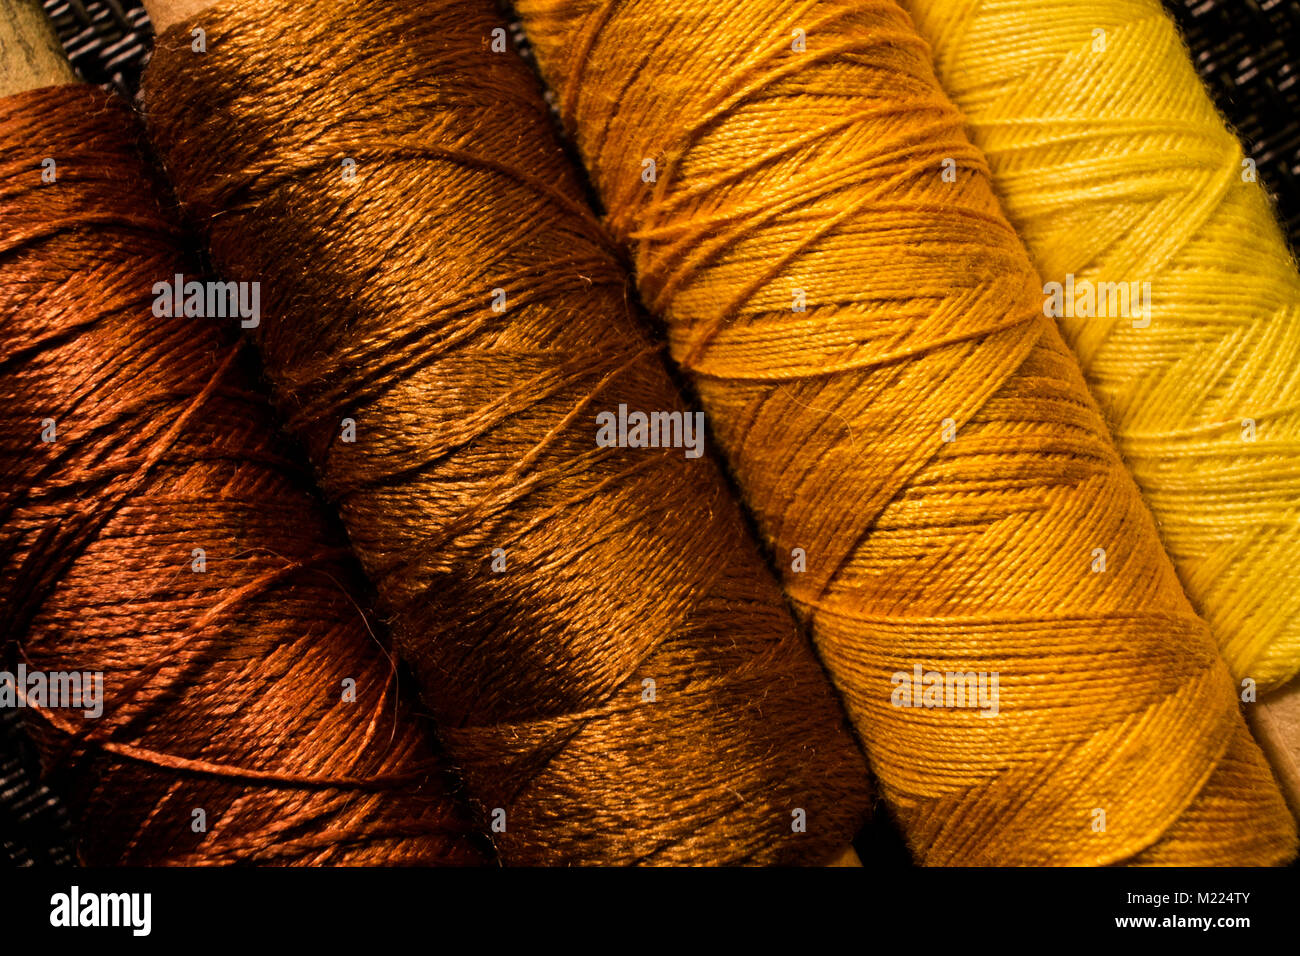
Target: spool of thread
(867,334)
(196,666)
(614,669)
(1118,172)
(33,821)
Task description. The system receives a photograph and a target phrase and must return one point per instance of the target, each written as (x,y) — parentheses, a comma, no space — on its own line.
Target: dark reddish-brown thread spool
(612,664)
(223,688)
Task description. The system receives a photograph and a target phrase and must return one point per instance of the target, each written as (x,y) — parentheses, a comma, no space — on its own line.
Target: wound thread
(868,338)
(127,441)
(1116,169)
(614,669)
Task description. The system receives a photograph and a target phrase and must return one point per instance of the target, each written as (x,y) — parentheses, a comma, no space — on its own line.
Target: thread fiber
(223,688)
(475,433)
(783,171)
(1114,167)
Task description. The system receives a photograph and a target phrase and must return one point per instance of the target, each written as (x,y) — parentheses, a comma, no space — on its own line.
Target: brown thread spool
(222,688)
(474,432)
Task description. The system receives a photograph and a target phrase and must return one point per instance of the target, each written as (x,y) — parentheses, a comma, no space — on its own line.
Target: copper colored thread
(223,688)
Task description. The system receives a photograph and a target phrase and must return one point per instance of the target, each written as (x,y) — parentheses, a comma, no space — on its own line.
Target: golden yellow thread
(1115,168)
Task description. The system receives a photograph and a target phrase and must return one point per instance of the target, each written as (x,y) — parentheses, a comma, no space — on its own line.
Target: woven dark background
(107,41)
(1246,52)
(33,824)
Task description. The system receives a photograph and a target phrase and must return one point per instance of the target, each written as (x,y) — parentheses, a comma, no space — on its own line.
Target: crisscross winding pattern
(223,683)
(1114,167)
(614,669)
(798,152)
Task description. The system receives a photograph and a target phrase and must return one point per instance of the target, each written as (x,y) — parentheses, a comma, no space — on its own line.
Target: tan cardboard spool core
(30,55)
(1275,719)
